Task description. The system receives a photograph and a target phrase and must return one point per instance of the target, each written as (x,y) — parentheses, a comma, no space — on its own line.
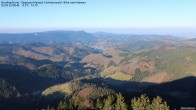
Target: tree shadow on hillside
(178,93)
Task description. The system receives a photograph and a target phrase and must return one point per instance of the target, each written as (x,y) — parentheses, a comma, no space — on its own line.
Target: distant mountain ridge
(47,37)
(76,37)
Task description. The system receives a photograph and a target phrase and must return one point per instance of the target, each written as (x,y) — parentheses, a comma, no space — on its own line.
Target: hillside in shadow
(178,93)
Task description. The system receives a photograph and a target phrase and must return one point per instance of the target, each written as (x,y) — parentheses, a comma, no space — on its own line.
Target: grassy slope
(120,76)
(63,88)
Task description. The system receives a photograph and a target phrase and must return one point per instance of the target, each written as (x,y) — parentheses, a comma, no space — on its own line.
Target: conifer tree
(108,103)
(71,106)
(120,103)
(98,105)
(62,106)
(158,104)
(140,103)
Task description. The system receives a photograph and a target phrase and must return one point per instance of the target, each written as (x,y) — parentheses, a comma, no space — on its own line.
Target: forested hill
(63,69)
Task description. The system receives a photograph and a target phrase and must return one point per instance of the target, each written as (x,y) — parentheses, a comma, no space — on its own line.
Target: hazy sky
(100,15)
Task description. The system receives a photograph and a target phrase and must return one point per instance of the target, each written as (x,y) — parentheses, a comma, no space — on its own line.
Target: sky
(120,16)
